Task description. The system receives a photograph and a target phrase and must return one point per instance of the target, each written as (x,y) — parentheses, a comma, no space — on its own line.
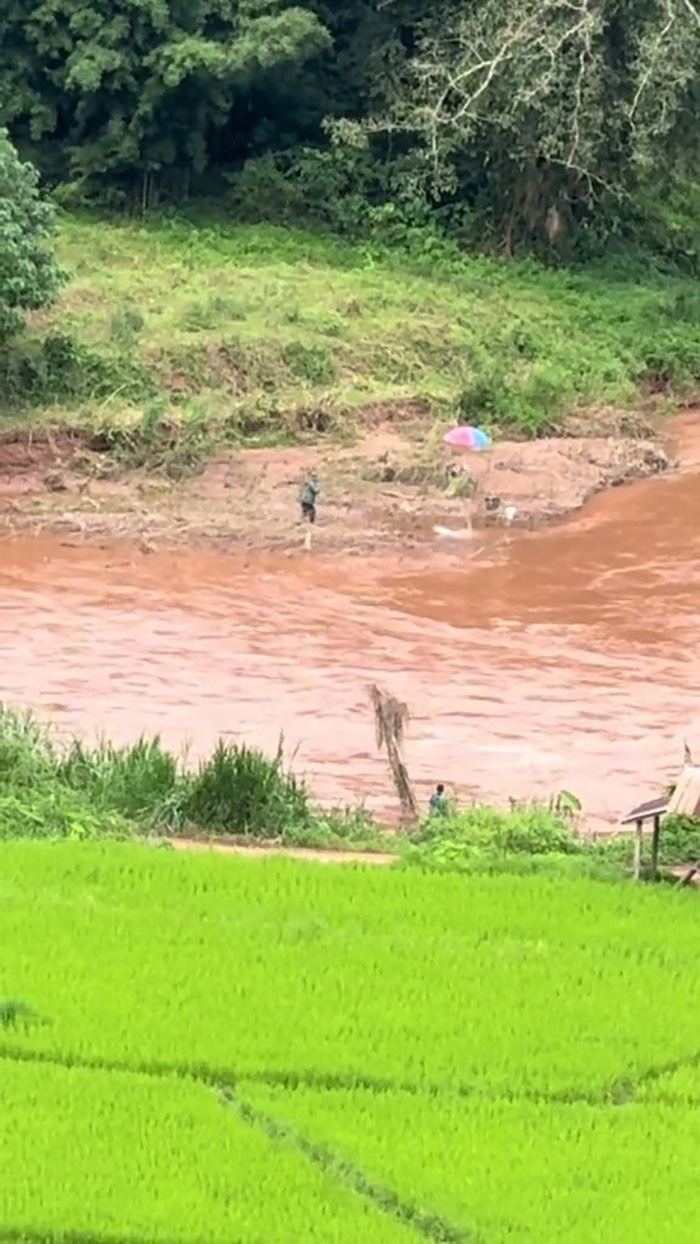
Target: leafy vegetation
(531,839)
(29,276)
(552,125)
(679,843)
(157,1160)
(173,337)
(244,1035)
(81,792)
(526,840)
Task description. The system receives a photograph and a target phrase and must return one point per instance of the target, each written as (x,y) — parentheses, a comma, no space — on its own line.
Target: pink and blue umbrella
(467,438)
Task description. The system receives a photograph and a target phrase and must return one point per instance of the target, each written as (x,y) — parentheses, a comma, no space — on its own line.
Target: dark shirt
(309,492)
(438,802)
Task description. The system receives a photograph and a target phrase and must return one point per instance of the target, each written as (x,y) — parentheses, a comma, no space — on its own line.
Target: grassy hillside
(262,330)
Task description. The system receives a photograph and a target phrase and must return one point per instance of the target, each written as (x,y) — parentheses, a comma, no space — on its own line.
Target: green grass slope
(266,330)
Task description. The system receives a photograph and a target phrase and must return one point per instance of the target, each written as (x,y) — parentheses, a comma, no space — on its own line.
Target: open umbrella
(468,438)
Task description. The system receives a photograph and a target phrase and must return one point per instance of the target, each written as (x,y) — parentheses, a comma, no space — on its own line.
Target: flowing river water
(531,662)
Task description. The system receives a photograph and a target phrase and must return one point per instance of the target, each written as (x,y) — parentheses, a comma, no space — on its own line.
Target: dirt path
(394,486)
(315,855)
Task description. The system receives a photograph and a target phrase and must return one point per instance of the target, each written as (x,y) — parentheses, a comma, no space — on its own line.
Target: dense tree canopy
(136,87)
(565,98)
(530,111)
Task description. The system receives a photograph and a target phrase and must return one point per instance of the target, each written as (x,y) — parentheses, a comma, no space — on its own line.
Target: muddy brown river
(531,662)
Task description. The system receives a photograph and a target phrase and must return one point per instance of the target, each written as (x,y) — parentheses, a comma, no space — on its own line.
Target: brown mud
(390,488)
(564,657)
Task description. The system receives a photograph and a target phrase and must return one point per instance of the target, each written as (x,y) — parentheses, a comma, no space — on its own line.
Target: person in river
(438,801)
(309,498)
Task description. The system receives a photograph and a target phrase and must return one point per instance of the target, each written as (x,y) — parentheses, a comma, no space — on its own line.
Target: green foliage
(142,93)
(311,363)
(29,276)
(564,129)
(479,835)
(240,791)
(57,368)
(27,754)
(679,843)
(48,791)
(55,811)
(138,781)
(176,337)
(343,188)
(337,829)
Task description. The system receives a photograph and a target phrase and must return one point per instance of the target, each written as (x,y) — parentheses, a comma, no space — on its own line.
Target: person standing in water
(309,498)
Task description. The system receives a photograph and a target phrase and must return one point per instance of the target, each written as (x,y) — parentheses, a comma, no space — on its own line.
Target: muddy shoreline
(390,488)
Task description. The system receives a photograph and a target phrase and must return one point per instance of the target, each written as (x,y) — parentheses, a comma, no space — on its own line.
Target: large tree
(141,86)
(546,103)
(29,276)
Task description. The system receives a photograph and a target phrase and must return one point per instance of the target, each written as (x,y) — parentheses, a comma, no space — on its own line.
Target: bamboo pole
(390,720)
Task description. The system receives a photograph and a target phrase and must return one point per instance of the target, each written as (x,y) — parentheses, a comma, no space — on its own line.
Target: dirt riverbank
(393,486)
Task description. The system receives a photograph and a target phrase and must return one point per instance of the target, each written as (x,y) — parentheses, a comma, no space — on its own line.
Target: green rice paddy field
(200,1049)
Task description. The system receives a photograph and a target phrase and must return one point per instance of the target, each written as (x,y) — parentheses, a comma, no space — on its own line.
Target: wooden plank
(638,850)
(655,848)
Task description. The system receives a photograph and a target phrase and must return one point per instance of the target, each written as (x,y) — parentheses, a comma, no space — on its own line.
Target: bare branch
(654,57)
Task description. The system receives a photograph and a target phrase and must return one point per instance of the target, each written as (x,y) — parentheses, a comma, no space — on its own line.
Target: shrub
(60,368)
(679,843)
(138,781)
(310,363)
(458,839)
(239,790)
(29,275)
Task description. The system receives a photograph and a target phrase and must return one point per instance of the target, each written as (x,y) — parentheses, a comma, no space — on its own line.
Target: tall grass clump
(27,754)
(141,781)
(34,801)
(51,791)
(239,790)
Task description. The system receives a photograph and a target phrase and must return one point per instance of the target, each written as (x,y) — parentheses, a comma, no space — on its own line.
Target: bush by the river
(79,791)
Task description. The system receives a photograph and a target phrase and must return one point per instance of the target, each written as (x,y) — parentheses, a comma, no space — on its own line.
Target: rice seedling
(496,1170)
(101,1156)
(265,1050)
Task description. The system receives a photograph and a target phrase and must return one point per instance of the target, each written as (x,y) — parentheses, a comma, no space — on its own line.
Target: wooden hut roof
(647,811)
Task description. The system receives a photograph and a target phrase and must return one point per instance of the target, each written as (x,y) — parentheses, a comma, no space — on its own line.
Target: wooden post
(655,848)
(638,850)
